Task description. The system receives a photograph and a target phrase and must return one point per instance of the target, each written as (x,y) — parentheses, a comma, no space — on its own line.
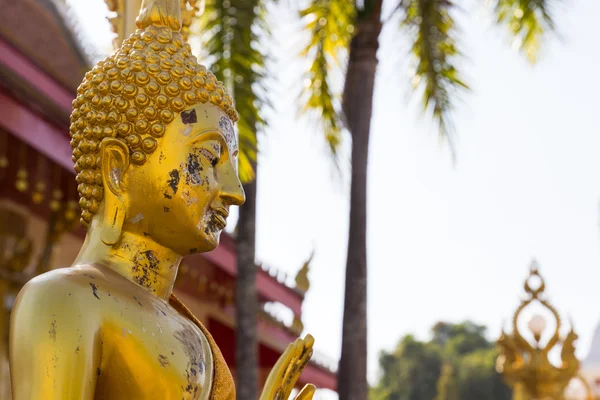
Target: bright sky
(446,242)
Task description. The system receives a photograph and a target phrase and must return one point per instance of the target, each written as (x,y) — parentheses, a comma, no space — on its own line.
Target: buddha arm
(53,349)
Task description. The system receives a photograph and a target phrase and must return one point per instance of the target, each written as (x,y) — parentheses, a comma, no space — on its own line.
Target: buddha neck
(136,257)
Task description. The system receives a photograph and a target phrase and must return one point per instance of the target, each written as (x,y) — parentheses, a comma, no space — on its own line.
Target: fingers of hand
(307,392)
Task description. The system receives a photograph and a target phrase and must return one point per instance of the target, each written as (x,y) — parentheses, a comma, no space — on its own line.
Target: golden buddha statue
(156,161)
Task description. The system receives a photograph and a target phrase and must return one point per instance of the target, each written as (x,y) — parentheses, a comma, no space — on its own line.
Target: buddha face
(181,195)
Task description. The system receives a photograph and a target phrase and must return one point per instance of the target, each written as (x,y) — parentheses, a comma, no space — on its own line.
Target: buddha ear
(114,161)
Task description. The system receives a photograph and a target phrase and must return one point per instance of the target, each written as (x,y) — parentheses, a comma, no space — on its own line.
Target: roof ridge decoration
(302,281)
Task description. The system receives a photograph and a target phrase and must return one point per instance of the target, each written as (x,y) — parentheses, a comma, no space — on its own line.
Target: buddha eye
(212,159)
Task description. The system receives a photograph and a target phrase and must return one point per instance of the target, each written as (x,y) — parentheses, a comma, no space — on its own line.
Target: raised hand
(284,375)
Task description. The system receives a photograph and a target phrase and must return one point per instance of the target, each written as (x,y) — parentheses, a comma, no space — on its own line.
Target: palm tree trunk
(246,299)
(358,105)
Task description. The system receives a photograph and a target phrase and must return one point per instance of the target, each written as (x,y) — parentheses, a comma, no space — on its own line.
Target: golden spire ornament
(156,160)
(525,366)
(160,13)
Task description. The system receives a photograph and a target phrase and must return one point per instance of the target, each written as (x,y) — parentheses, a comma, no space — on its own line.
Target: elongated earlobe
(114,161)
(113,227)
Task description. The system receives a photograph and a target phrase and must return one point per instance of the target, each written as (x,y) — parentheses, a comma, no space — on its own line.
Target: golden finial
(525,366)
(127,14)
(160,13)
(302,281)
(534,284)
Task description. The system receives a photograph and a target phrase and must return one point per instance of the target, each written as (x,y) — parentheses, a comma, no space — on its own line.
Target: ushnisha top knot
(160,13)
(133,95)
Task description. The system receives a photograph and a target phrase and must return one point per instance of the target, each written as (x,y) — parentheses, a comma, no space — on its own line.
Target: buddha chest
(149,351)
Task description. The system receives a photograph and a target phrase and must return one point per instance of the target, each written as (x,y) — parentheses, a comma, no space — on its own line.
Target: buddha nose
(232,191)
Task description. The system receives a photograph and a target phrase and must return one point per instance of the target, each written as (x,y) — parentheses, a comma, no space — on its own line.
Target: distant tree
(478,378)
(460,339)
(410,372)
(457,363)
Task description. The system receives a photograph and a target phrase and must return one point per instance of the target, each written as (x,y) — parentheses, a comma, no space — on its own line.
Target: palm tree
(352,27)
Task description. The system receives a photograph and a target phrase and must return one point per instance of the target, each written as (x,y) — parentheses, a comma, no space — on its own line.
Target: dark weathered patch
(227,129)
(98,371)
(95,290)
(166,209)
(146,234)
(77,350)
(161,157)
(189,116)
(194,250)
(212,226)
(193,169)
(143,263)
(136,299)
(167,196)
(192,347)
(209,156)
(152,259)
(174,180)
(163,360)
(52,331)
(161,311)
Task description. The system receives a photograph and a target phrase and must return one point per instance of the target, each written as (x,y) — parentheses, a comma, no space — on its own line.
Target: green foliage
(460,339)
(433,33)
(479,379)
(447,385)
(331,26)
(457,363)
(527,21)
(433,30)
(410,372)
(231,29)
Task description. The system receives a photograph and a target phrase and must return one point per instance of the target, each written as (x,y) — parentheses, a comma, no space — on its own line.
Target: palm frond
(434,49)
(528,21)
(330,24)
(230,38)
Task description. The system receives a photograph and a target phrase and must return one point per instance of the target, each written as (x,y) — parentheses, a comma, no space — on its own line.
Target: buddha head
(153,141)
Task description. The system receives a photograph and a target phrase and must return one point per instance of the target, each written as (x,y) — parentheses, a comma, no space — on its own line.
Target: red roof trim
(268,288)
(36,132)
(318,377)
(23,67)
(321,377)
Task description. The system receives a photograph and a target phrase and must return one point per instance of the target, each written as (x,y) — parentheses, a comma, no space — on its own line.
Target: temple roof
(42,31)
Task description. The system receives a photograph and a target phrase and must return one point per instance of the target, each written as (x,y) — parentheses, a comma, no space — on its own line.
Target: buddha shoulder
(61,291)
